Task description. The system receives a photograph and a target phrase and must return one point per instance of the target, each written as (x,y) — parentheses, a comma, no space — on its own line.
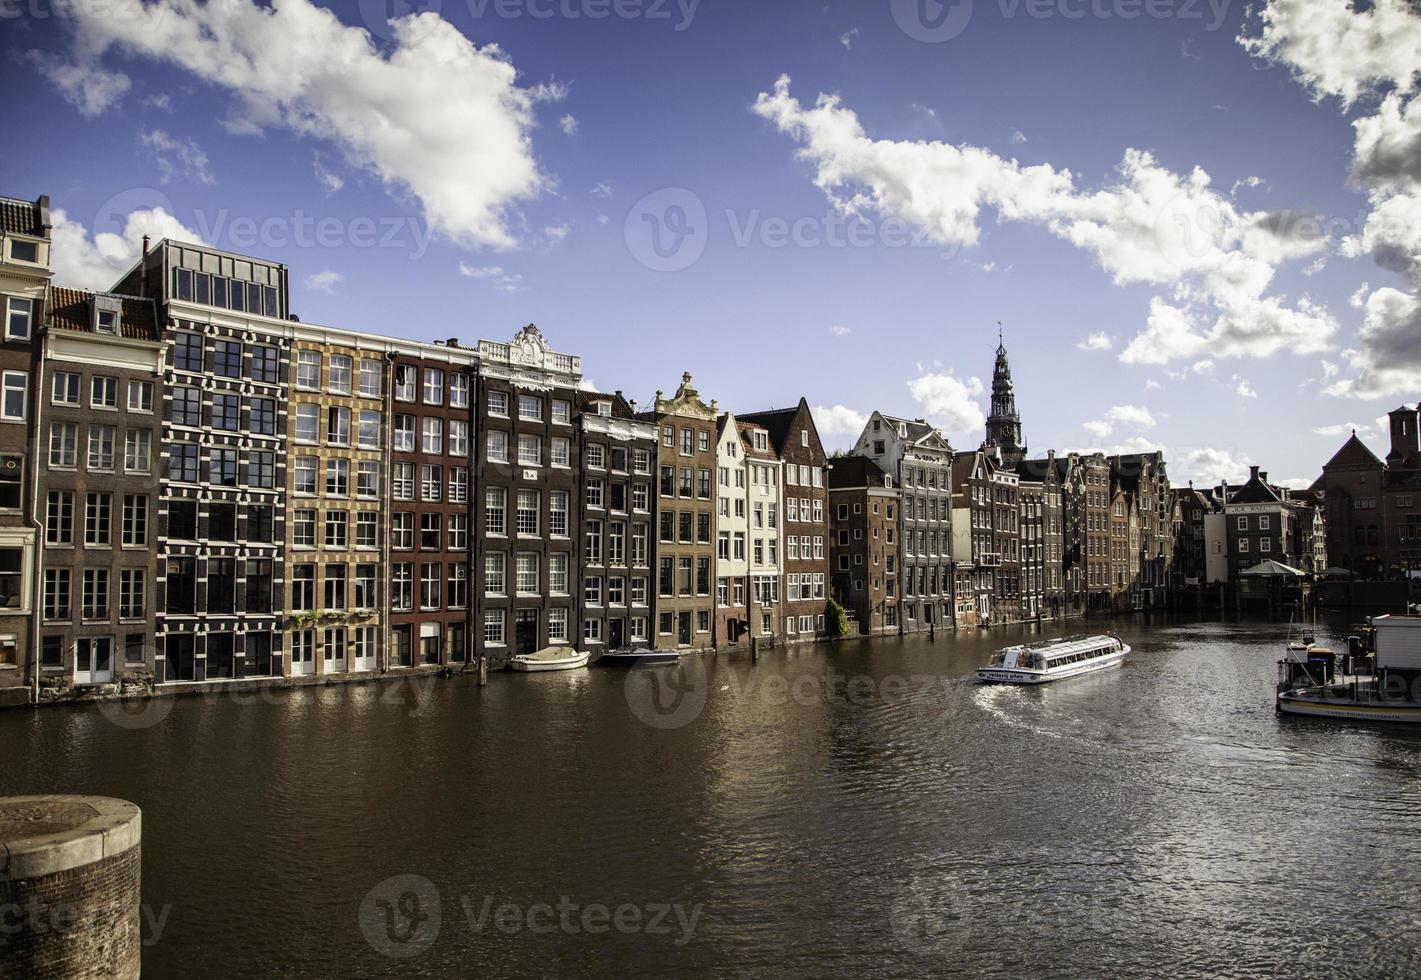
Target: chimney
(452,342)
(42,205)
(1253,472)
(1263,476)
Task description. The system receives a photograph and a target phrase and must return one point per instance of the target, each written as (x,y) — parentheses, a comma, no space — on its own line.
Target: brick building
(864,555)
(1373,507)
(97,491)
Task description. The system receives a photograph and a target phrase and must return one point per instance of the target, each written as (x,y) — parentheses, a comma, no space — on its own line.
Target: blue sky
(556,222)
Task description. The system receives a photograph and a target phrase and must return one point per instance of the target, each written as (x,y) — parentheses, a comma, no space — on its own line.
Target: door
(333,651)
(303,653)
(365,639)
(526,631)
(683,636)
(617,634)
(93,660)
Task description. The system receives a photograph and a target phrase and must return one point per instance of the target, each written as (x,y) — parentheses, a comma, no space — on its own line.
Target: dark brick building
(864,556)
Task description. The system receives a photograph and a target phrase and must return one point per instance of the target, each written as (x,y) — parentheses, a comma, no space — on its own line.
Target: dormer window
(604,409)
(107,313)
(22,251)
(762,440)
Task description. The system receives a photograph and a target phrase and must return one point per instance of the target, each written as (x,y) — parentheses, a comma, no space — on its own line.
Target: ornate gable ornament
(528,361)
(687,402)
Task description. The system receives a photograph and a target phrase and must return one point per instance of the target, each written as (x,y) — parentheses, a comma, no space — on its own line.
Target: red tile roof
(72,309)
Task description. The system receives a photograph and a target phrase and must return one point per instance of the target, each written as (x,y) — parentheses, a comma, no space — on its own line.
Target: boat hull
(530,665)
(639,658)
(1347,709)
(1013,675)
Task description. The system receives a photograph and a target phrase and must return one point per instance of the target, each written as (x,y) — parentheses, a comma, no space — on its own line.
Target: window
(335,591)
(95,599)
(367,478)
(227,359)
(261,470)
(182,520)
(265,366)
(259,587)
(458,484)
(303,478)
(530,407)
(65,390)
(187,352)
(433,386)
(223,467)
(430,585)
(405,380)
(135,520)
(59,517)
(557,625)
(402,585)
(592,591)
(19,317)
(63,444)
(103,392)
(433,443)
(458,437)
(303,528)
(457,596)
(226,412)
(338,477)
(338,426)
(458,390)
(303,588)
(366,585)
(458,532)
(263,416)
(14,396)
(560,452)
(431,481)
(402,531)
(338,529)
(58,593)
(138,451)
(367,530)
(557,573)
(430,531)
(308,423)
(557,513)
(530,450)
(308,370)
(596,456)
(498,403)
(562,410)
(369,435)
(527,573)
(495,578)
(371,385)
(528,522)
(24,251)
(132,594)
(495,510)
(493,627)
(98,519)
(339,378)
(496,444)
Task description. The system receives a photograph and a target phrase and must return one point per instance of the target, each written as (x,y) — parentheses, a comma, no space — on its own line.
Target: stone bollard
(69,887)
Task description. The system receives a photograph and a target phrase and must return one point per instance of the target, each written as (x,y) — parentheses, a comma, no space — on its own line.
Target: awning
(1273,569)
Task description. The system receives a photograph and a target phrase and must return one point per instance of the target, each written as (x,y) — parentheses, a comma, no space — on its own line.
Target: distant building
(919,459)
(864,556)
(1373,508)
(1003,424)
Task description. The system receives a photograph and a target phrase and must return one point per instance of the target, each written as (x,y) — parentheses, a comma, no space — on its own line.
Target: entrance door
(303,653)
(93,660)
(526,631)
(617,634)
(365,639)
(683,636)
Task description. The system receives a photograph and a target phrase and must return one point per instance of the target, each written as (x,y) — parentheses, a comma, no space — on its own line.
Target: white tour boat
(1044,662)
(553,658)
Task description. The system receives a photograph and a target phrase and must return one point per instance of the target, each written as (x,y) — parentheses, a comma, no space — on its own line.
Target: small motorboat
(638,657)
(553,658)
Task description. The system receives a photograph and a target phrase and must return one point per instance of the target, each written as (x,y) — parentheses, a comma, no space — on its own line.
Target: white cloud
(176,157)
(161,101)
(500,278)
(87,87)
(435,117)
(1247,182)
(1152,227)
(553,235)
(1292,482)
(98,262)
(330,182)
(1097,340)
(1203,367)
(948,402)
(1130,416)
(568,124)
(848,37)
(839,330)
(1017,137)
(324,281)
(1152,385)
(1343,429)
(1389,361)
(1208,466)
(838,420)
(1242,388)
(602,189)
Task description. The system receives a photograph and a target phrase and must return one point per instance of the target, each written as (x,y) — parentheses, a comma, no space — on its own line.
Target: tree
(836,621)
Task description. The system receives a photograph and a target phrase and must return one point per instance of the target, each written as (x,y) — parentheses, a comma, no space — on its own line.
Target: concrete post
(69,887)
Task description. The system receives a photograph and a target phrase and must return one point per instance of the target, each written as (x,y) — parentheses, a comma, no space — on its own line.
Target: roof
(747,430)
(776,422)
(853,471)
(1255,491)
(1354,452)
(72,309)
(25,217)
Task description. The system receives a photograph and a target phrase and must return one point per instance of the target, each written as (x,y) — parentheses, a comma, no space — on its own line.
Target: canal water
(860,810)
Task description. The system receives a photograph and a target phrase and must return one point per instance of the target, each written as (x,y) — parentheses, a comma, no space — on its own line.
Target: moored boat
(553,658)
(638,657)
(1054,660)
(1385,686)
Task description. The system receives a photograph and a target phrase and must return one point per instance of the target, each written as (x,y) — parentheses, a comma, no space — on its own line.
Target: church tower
(1004,425)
